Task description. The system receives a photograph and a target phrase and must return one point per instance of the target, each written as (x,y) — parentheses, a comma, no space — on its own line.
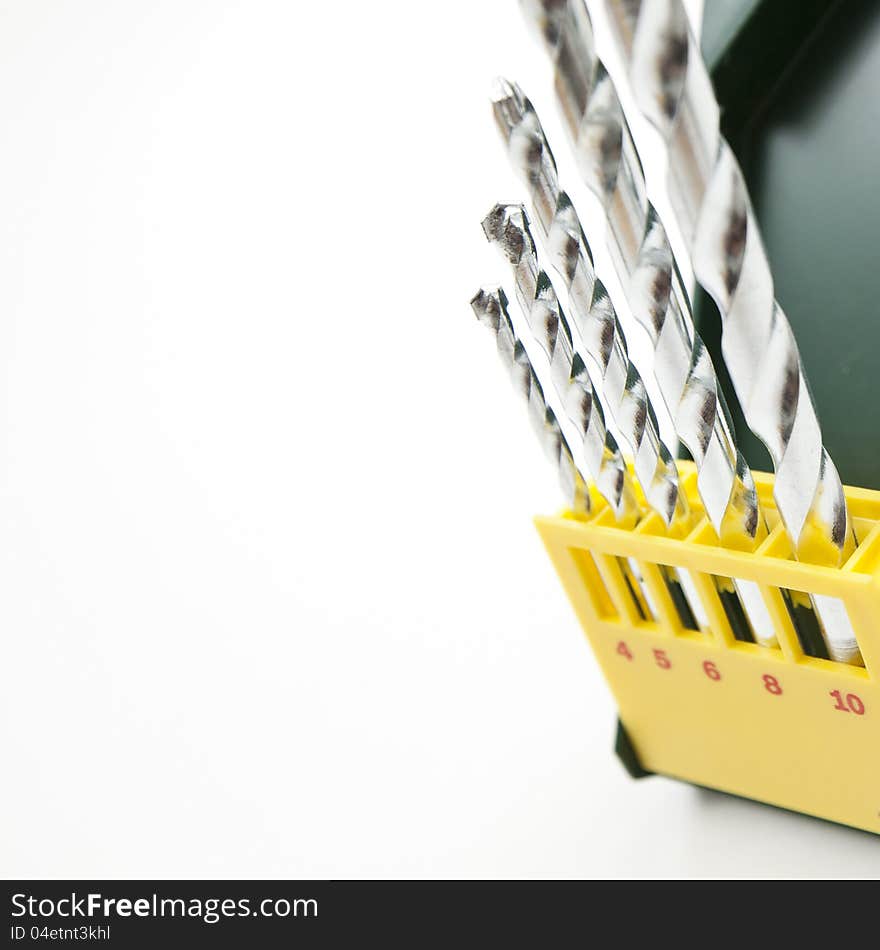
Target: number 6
(711,670)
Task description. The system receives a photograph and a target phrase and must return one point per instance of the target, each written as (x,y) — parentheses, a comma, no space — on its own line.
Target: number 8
(771,684)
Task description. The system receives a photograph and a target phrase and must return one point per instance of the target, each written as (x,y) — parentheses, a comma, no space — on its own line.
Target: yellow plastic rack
(770,724)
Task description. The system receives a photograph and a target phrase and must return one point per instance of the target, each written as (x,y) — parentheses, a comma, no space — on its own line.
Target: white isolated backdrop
(271,600)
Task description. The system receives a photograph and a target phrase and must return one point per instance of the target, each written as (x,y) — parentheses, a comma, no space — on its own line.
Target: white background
(271,600)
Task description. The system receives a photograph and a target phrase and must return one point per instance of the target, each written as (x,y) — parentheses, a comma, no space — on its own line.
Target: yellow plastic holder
(771,724)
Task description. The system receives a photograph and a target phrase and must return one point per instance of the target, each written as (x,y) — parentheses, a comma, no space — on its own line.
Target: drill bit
(490,308)
(623,394)
(643,258)
(507,227)
(682,366)
(672,86)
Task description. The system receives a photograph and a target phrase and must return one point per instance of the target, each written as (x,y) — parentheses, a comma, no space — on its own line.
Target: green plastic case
(799,86)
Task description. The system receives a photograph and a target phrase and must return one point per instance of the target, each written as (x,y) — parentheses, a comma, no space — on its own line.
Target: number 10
(852,703)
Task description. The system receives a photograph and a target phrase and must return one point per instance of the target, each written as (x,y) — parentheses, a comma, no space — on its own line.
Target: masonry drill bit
(673,88)
(507,227)
(646,267)
(604,150)
(490,308)
(622,394)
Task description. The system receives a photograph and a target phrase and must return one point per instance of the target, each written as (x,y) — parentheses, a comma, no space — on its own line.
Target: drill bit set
(659,556)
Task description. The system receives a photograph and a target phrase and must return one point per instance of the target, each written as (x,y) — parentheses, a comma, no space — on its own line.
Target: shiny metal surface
(505,226)
(672,86)
(490,308)
(608,161)
(643,257)
(622,392)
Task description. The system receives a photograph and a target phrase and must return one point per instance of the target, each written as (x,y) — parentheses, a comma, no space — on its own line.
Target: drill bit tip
(507,226)
(502,89)
(486,304)
(508,107)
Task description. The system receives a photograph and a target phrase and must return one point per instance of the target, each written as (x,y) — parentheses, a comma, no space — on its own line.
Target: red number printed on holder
(852,703)
(662,659)
(711,670)
(771,684)
(623,650)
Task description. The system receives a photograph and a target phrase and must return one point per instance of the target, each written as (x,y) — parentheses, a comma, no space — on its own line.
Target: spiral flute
(643,257)
(622,394)
(673,88)
(490,308)
(607,158)
(506,226)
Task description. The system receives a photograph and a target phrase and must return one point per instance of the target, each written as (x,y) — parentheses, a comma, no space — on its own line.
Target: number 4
(623,650)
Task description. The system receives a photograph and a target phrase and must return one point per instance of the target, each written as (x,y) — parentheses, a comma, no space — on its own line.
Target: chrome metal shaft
(672,86)
(490,308)
(622,393)
(646,267)
(642,255)
(506,226)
